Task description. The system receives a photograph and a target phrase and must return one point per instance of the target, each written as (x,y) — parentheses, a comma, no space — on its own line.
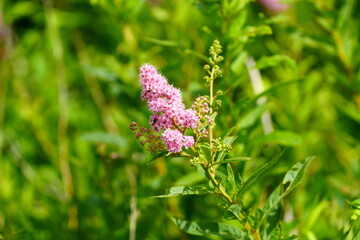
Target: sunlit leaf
(291,180)
(261,171)
(231,179)
(222,230)
(183,190)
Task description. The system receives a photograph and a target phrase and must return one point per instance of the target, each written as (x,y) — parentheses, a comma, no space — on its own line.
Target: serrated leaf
(184,190)
(261,171)
(103,137)
(222,230)
(291,180)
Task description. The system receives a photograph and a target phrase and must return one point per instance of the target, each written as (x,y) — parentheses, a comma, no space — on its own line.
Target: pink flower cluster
(175,140)
(169,113)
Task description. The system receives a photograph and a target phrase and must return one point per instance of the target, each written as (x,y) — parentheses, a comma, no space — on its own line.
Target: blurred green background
(69,166)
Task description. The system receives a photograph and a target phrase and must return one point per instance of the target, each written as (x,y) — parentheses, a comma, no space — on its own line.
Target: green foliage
(182,190)
(210,229)
(70,168)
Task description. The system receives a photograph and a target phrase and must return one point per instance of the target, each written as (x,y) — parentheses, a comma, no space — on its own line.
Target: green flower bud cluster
(213,69)
(219,146)
(197,161)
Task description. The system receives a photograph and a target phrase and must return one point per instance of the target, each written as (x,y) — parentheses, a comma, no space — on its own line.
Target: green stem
(210,173)
(211,111)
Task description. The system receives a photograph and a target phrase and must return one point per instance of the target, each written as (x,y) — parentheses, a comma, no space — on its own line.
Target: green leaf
(238,65)
(275,60)
(234,211)
(253,31)
(222,230)
(261,171)
(250,118)
(295,174)
(157,156)
(161,42)
(274,218)
(231,179)
(291,180)
(103,137)
(271,203)
(229,140)
(184,190)
(285,138)
(237,159)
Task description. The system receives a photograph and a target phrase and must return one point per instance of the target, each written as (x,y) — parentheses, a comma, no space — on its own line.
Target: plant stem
(211,111)
(210,173)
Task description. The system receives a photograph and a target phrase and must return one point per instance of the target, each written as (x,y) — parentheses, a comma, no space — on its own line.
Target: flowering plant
(189,133)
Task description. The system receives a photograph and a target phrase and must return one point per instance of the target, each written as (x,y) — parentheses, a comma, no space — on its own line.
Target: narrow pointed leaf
(231,178)
(222,230)
(291,180)
(295,174)
(261,171)
(157,156)
(183,190)
(162,42)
